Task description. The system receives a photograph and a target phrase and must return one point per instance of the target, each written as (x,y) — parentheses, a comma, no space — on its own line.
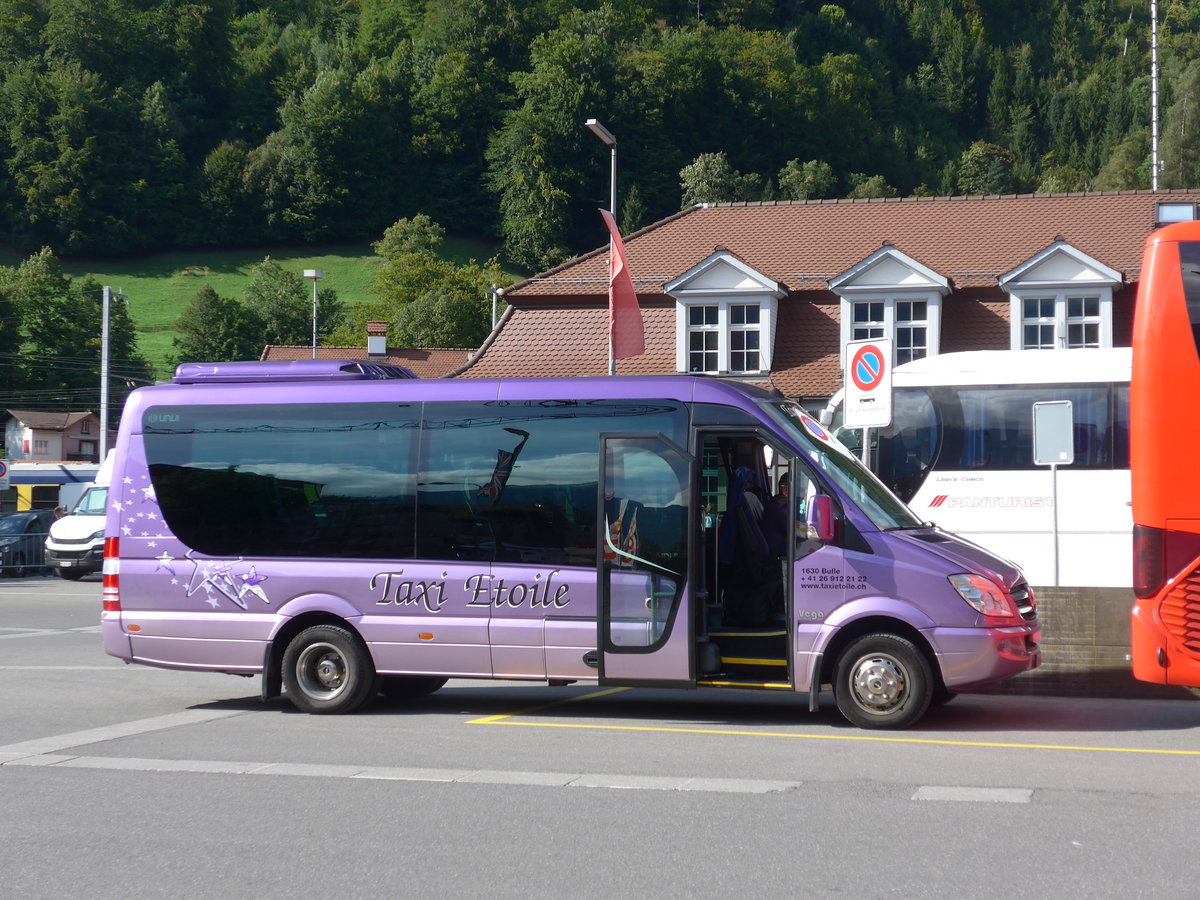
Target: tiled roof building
(424,362)
(46,436)
(773,291)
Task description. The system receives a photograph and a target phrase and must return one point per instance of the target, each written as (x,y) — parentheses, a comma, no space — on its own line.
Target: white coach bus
(959,451)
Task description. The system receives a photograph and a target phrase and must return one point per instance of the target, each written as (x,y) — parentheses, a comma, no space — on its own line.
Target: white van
(76,542)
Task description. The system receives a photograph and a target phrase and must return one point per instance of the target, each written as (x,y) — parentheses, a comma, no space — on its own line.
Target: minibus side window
(286,480)
(517,481)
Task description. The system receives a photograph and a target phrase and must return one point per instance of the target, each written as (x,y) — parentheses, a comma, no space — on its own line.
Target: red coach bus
(1164,437)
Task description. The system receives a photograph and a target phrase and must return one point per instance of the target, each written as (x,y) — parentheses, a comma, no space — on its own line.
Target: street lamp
(316,276)
(610,141)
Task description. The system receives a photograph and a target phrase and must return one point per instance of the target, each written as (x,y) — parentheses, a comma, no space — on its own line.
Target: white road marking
(41,632)
(55,743)
(48,753)
(973,794)
(111,668)
(385,773)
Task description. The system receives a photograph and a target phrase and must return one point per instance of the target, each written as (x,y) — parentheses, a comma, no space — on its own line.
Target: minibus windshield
(878,503)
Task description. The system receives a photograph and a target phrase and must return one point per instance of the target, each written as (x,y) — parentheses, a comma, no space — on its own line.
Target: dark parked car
(23,541)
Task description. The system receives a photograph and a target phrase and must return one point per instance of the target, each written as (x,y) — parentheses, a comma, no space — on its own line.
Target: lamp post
(316,276)
(1154,163)
(609,141)
(105,304)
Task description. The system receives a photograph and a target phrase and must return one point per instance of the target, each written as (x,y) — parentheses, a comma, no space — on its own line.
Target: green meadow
(159,287)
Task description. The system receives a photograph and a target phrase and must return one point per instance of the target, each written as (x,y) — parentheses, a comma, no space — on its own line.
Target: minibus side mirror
(820,518)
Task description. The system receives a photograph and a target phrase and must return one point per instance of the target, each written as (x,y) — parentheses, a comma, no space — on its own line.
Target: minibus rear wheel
(882,681)
(327,669)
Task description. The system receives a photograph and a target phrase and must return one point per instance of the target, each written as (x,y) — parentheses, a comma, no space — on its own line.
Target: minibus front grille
(1025,601)
(1180,612)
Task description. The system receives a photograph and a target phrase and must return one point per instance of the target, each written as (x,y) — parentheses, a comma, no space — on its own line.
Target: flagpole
(612,208)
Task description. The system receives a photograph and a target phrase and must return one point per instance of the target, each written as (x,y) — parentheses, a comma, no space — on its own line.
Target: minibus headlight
(97,536)
(984,595)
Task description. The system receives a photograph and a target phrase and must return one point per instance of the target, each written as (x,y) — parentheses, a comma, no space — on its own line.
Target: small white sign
(3,475)
(869,383)
(1053,433)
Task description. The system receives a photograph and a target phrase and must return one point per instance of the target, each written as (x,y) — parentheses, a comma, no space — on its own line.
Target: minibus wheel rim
(879,683)
(321,670)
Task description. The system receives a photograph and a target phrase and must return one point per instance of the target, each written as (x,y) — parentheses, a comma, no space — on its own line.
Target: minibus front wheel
(328,669)
(882,681)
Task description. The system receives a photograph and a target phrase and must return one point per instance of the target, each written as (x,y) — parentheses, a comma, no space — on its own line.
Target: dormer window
(1061,299)
(725,314)
(891,295)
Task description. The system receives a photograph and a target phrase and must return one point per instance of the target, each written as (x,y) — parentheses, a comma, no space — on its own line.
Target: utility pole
(1154,163)
(104,337)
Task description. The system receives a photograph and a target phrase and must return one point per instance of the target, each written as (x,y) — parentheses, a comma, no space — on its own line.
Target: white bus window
(906,449)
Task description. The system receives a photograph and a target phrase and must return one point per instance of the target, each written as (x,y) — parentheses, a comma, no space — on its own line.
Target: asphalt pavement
(126,781)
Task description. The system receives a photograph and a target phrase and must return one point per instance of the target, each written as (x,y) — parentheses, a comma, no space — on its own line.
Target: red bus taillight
(111,590)
(1160,555)
(1148,561)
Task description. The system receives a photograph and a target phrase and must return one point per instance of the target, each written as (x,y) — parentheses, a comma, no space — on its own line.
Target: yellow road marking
(504,719)
(492,720)
(838,737)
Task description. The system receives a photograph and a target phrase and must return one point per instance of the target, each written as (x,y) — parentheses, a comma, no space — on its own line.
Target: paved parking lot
(126,779)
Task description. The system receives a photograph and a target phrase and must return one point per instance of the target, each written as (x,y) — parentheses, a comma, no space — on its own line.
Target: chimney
(377,338)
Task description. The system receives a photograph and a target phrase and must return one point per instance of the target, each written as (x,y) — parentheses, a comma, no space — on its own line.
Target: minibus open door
(644,526)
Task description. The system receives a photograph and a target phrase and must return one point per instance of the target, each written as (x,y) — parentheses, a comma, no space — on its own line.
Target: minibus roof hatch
(287,370)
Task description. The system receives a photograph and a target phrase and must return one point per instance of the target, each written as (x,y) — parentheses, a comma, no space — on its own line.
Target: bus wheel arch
(883,672)
(324,665)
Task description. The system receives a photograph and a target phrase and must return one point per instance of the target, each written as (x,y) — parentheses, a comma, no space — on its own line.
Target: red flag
(625,333)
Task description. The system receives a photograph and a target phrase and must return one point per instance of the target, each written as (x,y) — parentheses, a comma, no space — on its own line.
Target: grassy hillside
(160,287)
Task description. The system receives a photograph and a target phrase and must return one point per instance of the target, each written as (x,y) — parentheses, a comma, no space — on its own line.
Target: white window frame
(724,330)
(933,318)
(725,282)
(1060,273)
(910,323)
(1062,321)
(707,330)
(750,332)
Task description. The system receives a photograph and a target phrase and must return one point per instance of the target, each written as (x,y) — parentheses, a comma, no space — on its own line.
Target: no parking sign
(869,383)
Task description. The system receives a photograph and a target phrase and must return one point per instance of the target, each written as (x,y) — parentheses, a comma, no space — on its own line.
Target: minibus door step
(757,657)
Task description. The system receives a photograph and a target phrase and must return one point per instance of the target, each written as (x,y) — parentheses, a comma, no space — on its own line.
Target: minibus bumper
(115,640)
(974,658)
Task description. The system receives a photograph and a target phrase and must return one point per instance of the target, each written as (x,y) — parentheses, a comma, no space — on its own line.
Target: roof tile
(424,362)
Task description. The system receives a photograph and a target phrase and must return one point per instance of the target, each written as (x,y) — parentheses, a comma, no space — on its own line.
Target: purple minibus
(345,531)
